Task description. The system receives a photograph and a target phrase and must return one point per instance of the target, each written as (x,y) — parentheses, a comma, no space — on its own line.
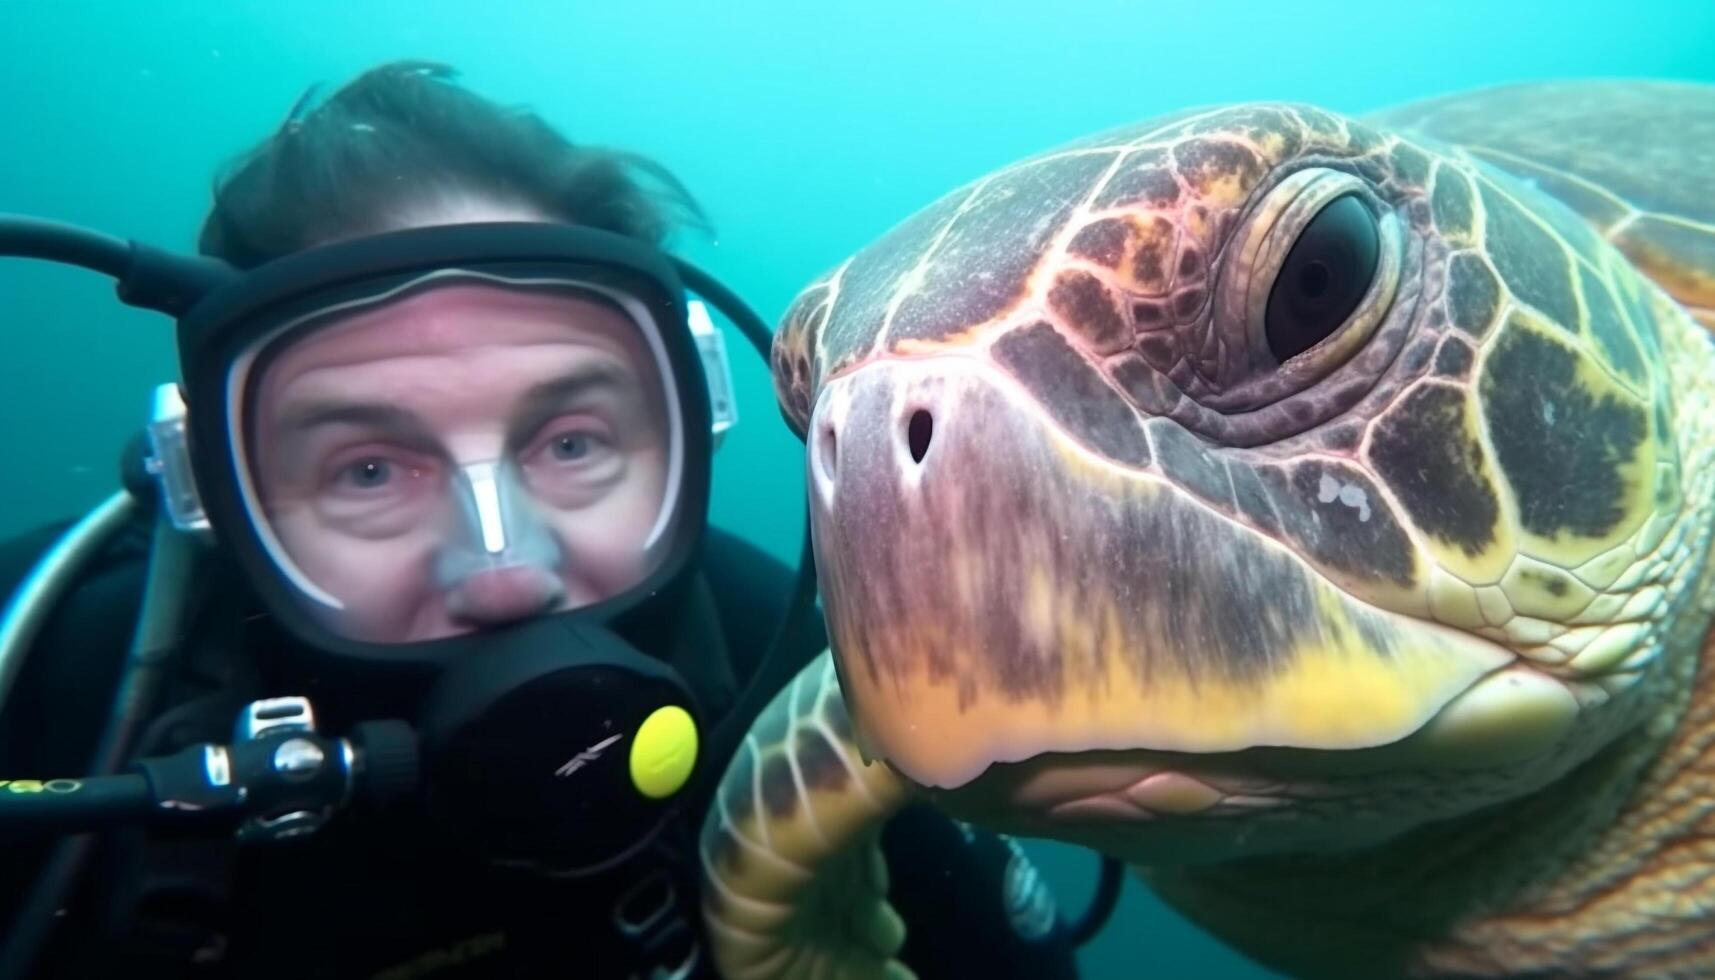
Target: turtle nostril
(827,453)
(918,433)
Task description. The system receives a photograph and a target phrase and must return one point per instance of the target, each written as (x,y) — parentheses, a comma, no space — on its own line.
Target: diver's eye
(571,446)
(368,473)
(1325,275)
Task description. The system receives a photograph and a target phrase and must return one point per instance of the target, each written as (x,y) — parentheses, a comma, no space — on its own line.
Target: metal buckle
(274,715)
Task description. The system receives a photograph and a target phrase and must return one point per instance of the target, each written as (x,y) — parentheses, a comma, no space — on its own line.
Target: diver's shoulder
(753,591)
(724,547)
(741,572)
(22,550)
(63,685)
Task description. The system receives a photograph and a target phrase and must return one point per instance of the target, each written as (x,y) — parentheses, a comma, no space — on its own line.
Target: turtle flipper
(794,883)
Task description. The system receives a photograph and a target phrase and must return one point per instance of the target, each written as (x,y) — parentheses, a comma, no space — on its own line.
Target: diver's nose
(495,596)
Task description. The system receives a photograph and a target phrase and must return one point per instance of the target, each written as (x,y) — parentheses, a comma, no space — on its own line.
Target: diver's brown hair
(403,133)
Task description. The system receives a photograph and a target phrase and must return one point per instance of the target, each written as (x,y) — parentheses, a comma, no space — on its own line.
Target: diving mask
(459,452)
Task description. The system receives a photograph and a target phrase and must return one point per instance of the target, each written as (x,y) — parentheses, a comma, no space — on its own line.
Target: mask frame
(218,330)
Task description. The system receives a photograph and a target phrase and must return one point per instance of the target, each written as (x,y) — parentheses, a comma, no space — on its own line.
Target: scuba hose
(52,577)
(1102,904)
(147,277)
(172,565)
(725,300)
(724,739)
(34,238)
(40,592)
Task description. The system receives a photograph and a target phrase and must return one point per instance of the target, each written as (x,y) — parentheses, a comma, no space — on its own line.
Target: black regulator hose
(153,279)
(723,741)
(729,303)
(147,276)
(60,806)
(1101,907)
(166,597)
(54,241)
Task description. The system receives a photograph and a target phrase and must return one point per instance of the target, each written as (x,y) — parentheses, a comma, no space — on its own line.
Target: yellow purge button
(663,752)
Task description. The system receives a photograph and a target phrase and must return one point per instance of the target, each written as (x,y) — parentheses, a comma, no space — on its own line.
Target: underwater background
(804,129)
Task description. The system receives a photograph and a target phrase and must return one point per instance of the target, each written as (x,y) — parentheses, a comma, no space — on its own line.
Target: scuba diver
(406,649)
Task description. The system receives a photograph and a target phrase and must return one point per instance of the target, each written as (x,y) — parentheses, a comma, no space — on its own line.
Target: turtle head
(1247,481)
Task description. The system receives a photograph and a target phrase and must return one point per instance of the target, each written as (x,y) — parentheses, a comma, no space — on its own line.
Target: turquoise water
(805,130)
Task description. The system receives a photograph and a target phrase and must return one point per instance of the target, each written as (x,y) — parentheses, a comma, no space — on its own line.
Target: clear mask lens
(460,452)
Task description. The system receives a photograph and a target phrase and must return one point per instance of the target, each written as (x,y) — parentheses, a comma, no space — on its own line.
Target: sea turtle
(1313,512)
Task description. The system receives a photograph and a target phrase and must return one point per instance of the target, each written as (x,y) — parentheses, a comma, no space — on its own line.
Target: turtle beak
(996,590)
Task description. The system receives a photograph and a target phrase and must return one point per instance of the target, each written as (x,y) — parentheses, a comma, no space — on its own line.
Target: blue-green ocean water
(805,129)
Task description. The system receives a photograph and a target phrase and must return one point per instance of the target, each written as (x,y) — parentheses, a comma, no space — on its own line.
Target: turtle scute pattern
(1501,455)
(1632,158)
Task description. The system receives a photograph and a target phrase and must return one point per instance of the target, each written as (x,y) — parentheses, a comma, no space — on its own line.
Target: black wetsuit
(355,900)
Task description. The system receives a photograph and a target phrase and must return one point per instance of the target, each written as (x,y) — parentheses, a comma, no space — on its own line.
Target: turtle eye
(1324,277)
(1306,279)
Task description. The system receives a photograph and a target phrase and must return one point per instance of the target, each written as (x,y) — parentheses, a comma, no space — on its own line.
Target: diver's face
(462,458)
